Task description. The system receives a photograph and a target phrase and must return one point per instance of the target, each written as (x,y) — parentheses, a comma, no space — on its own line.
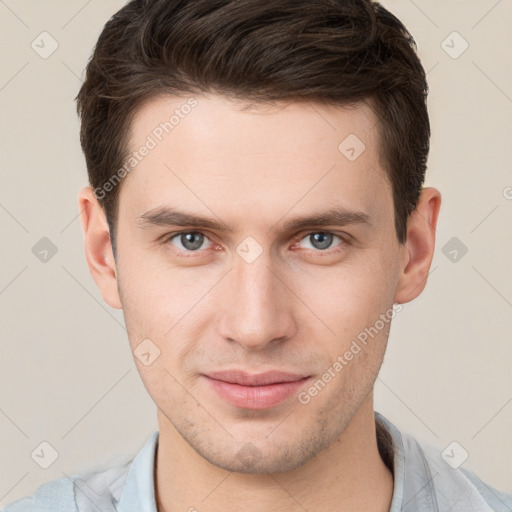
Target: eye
(321,240)
(188,241)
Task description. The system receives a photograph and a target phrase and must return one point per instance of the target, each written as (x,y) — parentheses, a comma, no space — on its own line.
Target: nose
(257,305)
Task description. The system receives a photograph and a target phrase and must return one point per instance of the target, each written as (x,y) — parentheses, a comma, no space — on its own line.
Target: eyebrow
(166,217)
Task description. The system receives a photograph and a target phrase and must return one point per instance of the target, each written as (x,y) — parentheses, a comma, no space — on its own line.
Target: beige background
(67,375)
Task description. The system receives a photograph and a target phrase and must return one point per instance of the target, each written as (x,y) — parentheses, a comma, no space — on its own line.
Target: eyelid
(345,240)
(166,239)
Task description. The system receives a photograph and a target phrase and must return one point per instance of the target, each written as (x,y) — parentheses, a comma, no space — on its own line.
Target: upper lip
(259,379)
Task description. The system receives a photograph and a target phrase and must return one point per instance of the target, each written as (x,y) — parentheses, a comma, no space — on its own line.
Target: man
(257,210)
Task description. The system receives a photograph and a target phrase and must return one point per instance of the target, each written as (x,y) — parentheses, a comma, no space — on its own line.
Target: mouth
(255,391)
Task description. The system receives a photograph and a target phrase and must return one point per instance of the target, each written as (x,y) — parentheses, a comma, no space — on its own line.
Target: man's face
(257,294)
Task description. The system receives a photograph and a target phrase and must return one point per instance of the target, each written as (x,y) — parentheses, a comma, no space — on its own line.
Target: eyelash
(337,248)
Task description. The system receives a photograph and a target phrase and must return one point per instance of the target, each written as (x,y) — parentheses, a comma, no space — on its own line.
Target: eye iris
(323,240)
(191,241)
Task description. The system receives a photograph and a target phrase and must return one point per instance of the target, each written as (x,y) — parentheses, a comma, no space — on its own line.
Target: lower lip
(255,397)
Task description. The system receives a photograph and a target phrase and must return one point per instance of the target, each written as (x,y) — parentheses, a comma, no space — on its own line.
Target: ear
(418,249)
(98,246)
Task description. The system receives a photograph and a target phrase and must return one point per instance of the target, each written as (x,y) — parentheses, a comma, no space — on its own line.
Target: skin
(296,307)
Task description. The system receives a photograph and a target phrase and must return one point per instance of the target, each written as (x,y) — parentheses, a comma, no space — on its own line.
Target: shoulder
(500,501)
(457,487)
(84,492)
(121,484)
(55,496)
(427,480)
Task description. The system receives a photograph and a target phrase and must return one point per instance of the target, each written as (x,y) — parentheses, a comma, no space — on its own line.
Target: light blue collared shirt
(423,482)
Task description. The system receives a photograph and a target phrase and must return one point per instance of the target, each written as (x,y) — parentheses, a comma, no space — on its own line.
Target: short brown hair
(337,52)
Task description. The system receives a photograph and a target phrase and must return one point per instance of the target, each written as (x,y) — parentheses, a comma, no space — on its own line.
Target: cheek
(156,295)
(350,297)
(167,306)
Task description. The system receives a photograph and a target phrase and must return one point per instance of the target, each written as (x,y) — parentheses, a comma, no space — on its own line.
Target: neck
(348,475)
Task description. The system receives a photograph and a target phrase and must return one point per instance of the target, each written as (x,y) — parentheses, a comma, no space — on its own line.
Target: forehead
(285,126)
(211,153)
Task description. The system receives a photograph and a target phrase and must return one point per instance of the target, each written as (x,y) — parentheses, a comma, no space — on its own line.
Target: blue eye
(195,241)
(321,240)
(189,240)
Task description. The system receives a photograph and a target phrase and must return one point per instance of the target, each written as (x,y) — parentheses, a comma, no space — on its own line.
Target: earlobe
(418,249)
(98,246)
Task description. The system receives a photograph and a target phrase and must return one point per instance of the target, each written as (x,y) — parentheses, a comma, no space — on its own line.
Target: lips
(259,379)
(255,391)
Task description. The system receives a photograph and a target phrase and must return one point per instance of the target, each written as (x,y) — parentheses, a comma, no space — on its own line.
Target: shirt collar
(423,481)
(398,463)
(139,490)
(413,489)
(139,487)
